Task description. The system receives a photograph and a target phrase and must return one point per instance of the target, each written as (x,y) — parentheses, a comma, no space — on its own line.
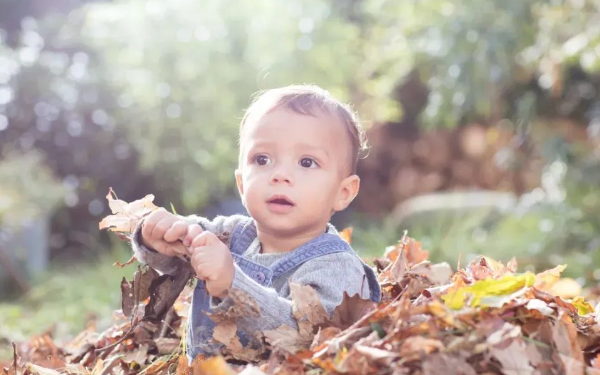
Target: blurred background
(483,120)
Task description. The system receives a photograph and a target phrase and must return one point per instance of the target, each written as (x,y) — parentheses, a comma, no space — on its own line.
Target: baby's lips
(282,199)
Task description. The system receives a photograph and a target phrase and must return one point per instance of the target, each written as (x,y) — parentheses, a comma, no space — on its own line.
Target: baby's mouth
(280,200)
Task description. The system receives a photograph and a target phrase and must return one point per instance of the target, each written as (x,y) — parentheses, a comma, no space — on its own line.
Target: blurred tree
(52,99)
(146,96)
(186,71)
(12,12)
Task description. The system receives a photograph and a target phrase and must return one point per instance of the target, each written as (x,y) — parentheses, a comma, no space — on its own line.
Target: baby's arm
(220,226)
(330,275)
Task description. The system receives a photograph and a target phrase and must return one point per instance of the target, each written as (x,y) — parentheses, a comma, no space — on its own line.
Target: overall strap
(325,244)
(328,243)
(242,236)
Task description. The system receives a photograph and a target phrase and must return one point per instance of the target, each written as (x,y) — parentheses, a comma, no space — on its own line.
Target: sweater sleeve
(330,275)
(221,226)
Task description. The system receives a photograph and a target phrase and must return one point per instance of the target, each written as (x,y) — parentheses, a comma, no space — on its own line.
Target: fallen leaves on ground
(485,318)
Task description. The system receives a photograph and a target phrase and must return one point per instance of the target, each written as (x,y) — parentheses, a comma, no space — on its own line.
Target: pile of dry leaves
(484,318)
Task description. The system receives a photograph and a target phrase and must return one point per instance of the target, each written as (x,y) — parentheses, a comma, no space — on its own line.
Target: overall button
(260,277)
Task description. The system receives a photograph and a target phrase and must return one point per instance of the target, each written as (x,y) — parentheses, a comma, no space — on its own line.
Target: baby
(298,152)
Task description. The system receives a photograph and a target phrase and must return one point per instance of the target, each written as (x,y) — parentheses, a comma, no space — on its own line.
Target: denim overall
(200,326)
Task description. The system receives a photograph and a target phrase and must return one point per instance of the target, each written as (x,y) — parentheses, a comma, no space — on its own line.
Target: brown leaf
(351,310)
(442,363)
(416,346)
(126,216)
(437,274)
(564,334)
(484,267)
(157,366)
(308,312)
(121,265)
(287,339)
(143,282)
(167,345)
(137,290)
(513,358)
(212,366)
(164,291)
(306,305)
(508,332)
(572,366)
(394,273)
(324,334)
(138,356)
(240,305)
(160,289)
(182,366)
(127,299)
(225,332)
(414,253)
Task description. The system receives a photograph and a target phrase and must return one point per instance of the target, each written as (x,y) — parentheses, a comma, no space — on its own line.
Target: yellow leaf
(583,308)
(455,298)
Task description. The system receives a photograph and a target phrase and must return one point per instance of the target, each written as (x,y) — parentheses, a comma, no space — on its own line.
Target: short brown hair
(308,100)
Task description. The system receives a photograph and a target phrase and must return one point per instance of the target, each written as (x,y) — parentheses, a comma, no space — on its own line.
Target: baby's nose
(281,176)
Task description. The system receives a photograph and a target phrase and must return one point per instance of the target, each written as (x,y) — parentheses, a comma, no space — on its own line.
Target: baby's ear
(239,182)
(347,192)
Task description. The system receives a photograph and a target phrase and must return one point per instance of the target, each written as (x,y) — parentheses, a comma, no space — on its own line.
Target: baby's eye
(308,163)
(262,159)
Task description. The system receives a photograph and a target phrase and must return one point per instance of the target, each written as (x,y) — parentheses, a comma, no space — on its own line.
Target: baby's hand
(161,231)
(212,262)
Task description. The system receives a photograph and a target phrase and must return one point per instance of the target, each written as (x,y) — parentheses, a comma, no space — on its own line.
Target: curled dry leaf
(545,280)
(126,216)
(121,265)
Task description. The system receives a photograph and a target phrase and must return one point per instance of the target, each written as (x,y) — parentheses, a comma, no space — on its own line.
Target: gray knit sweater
(330,275)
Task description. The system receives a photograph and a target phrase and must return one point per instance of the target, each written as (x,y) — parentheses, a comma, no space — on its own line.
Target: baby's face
(294,171)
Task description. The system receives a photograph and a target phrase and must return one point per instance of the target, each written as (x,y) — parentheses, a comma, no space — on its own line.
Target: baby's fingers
(204,239)
(150,222)
(178,248)
(193,231)
(177,231)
